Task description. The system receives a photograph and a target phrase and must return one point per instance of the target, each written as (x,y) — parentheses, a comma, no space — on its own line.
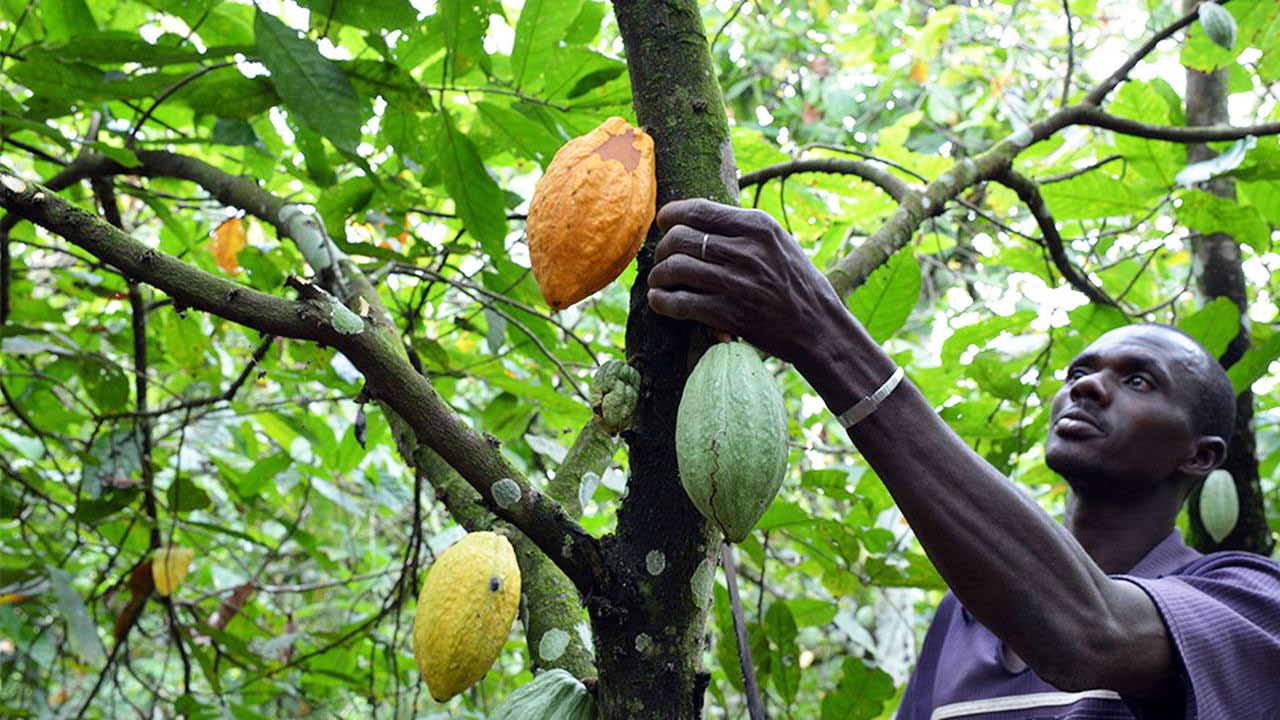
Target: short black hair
(1213,397)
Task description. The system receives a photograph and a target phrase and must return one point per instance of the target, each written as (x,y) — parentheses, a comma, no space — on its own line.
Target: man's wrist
(844,365)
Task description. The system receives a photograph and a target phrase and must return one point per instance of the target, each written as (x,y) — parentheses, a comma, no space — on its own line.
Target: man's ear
(1210,451)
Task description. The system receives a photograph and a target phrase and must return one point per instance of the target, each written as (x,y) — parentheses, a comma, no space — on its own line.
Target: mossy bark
(1219,273)
(649,650)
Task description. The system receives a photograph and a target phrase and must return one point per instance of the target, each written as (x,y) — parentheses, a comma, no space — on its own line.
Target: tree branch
(883,179)
(1029,193)
(1096,117)
(852,270)
(377,355)
(1104,88)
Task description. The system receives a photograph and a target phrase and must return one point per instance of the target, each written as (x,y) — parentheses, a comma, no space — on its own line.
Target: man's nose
(1091,386)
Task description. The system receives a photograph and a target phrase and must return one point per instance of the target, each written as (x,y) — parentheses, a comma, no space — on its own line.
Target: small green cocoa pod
(614,391)
(1219,505)
(552,695)
(731,438)
(1219,24)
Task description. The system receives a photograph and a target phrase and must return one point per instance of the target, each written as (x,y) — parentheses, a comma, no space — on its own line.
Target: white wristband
(868,404)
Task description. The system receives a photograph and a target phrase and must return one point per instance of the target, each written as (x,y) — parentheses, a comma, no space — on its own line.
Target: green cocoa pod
(1219,505)
(1219,24)
(552,695)
(731,438)
(614,391)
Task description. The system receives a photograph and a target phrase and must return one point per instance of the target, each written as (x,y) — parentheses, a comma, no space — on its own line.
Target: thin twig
(1060,177)
(168,92)
(1071,54)
(712,47)
(754,706)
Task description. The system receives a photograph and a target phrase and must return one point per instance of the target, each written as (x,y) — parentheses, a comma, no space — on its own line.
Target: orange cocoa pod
(591,211)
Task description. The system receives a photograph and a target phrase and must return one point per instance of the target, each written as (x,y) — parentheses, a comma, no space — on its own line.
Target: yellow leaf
(919,72)
(169,567)
(226,244)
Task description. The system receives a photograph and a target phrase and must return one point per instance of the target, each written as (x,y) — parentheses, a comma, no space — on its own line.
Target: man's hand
(754,280)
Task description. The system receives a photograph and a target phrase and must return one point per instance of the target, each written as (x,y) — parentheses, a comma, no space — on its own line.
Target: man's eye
(1076,373)
(1138,381)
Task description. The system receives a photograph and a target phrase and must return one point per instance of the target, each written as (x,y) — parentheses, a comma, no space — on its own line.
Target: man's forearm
(1016,569)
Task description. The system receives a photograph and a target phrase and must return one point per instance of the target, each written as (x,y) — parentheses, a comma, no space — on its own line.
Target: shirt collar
(1166,557)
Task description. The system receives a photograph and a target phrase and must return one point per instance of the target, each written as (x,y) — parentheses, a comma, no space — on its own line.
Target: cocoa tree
(265,295)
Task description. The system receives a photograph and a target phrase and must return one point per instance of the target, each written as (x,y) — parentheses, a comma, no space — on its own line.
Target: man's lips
(1076,422)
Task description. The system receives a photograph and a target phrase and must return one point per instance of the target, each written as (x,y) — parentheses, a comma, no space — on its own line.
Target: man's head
(1144,408)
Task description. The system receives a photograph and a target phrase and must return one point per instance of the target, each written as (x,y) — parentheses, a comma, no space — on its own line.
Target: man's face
(1122,422)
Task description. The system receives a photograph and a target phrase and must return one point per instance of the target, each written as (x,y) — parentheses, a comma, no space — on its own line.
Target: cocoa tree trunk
(649,650)
(1219,274)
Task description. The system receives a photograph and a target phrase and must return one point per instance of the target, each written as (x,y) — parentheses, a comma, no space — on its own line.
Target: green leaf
(113,459)
(263,473)
(93,511)
(998,376)
(106,383)
(1156,162)
(366,14)
(463,25)
(338,203)
(567,78)
(518,134)
(860,695)
(67,19)
(1208,214)
(81,630)
(542,24)
(1254,363)
(184,496)
(476,196)
(884,302)
(1094,195)
(313,87)
(117,46)
(784,666)
(226,93)
(229,131)
(811,612)
(392,82)
(918,573)
(586,26)
(45,75)
(1215,325)
(783,513)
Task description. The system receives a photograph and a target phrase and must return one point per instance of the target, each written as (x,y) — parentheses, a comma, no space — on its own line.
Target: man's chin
(1071,461)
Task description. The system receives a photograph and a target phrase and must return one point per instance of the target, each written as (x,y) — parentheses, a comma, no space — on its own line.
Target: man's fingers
(684,271)
(689,241)
(714,217)
(689,305)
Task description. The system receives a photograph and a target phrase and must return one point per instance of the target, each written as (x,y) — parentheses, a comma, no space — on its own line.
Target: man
(1111,616)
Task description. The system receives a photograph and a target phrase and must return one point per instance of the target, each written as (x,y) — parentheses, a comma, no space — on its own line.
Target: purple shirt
(1222,611)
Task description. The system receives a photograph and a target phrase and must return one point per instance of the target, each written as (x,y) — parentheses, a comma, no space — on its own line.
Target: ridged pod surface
(552,695)
(1218,22)
(169,567)
(1219,504)
(731,438)
(590,211)
(468,602)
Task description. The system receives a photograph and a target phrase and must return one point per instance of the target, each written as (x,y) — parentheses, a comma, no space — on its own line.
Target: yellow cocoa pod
(590,211)
(465,611)
(169,566)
